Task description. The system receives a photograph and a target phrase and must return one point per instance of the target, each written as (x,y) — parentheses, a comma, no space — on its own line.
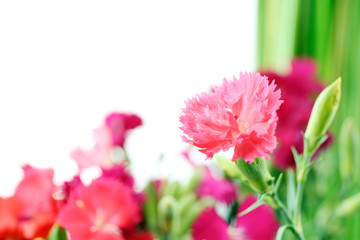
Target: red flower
(239,113)
(100,211)
(32,211)
(139,236)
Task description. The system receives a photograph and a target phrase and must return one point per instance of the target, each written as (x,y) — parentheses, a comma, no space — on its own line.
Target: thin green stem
(297,213)
(302,171)
(289,219)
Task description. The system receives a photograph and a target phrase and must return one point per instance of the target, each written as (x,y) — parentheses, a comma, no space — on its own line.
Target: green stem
(284,211)
(297,213)
(302,172)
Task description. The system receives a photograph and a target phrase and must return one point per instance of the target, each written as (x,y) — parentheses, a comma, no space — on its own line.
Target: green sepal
(257,174)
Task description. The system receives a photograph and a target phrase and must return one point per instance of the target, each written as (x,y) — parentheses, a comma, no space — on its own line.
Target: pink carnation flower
(100,211)
(239,113)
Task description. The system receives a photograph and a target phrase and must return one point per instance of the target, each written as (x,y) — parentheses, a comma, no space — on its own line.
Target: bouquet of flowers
(263,173)
(240,197)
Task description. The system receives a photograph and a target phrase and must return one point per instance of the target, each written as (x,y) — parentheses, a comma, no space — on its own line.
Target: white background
(64,65)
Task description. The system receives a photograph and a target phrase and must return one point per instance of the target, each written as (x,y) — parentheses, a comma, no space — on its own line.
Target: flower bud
(57,233)
(322,115)
(349,149)
(256,174)
(166,212)
(349,206)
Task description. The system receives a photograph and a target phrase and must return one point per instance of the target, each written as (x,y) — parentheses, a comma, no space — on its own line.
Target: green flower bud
(57,233)
(349,206)
(256,174)
(322,115)
(349,149)
(167,208)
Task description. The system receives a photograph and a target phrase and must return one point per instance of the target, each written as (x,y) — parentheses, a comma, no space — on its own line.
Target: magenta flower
(119,173)
(100,211)
(298,89)
(259,224)
(221,189)
(119,124)
(210,226)
(239,113)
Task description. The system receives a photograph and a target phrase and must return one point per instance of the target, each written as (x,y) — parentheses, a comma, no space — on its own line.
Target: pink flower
(100,211)
(259,224)
(111,134)
(99,154)
(239,113)
(221,189)
(119,124)
(67,188)
(32,211)
(298,89)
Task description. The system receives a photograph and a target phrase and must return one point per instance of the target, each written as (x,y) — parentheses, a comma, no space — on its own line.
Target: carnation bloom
(31,211)
(100,211)
(259,224)
(239,113)
(298,88)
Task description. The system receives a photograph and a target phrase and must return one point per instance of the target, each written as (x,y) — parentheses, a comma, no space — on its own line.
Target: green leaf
(150,208)
(253,206)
